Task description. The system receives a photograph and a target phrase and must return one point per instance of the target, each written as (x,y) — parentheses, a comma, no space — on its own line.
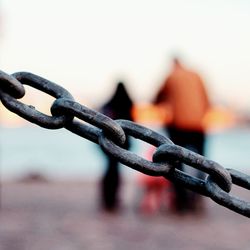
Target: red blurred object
(156,191)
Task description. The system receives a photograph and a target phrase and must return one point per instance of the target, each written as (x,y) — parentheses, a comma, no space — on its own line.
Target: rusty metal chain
(111,136)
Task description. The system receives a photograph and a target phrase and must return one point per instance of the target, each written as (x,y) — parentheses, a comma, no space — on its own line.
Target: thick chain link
(29,112)
(112,134)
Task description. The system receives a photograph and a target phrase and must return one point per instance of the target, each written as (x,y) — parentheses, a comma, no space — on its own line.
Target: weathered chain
(111,136)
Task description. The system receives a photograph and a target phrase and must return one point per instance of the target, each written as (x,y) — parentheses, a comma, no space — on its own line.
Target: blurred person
(118,107)
(155,192)
(184,92)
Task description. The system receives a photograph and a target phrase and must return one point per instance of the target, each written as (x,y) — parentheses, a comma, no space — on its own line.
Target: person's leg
(179,137)
(196,143)
(110,185)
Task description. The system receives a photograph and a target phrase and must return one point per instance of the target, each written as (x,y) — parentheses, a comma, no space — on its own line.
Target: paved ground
(61,216)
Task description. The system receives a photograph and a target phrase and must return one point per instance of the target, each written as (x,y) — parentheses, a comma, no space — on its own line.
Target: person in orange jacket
(185,93)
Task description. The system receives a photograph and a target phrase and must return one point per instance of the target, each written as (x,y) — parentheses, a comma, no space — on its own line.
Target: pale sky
(86,46)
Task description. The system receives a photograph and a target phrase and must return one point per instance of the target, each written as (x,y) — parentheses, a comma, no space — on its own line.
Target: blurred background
(50,179)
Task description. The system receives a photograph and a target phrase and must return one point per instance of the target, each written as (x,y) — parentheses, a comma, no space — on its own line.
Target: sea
(61,155)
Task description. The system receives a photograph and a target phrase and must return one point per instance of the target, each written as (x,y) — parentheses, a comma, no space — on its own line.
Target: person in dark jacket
(118,107)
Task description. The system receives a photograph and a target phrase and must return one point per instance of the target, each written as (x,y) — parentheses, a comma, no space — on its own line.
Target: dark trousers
(110,185)
(111,182)
(192,140)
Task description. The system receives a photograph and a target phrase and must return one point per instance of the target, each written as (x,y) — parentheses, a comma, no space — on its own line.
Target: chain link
(29,112)
(177,153)
(112,134)
(130,159)
(70,107)
(11,85)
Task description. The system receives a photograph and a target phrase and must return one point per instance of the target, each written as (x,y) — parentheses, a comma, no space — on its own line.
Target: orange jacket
(185,92)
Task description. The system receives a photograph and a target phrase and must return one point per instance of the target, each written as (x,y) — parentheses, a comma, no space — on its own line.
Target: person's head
(176,61)
(120,86)
(121,99)
(121,91)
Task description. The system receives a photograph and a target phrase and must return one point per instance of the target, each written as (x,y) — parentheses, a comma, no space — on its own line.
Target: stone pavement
(65,216)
